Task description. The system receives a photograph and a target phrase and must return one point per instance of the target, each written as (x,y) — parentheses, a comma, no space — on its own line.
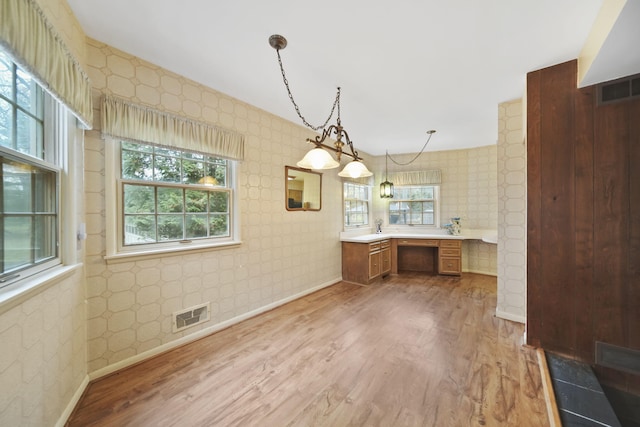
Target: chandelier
(319,157)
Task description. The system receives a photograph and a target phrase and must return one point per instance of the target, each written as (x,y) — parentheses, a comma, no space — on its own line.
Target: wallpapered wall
(512,208)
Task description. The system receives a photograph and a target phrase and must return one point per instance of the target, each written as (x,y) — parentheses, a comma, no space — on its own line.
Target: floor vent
(619,90)
(190,317)
(620,358)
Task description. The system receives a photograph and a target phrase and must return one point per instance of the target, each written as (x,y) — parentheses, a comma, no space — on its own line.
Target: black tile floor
(625,405)
(580,398)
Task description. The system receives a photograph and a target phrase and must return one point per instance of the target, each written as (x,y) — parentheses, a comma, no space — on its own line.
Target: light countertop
(488,236)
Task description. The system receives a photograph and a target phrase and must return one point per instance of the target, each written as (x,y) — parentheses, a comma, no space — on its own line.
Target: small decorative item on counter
(378,226)
(454,226)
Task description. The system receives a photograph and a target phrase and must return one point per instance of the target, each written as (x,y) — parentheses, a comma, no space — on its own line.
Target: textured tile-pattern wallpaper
(283,253)
(512,208)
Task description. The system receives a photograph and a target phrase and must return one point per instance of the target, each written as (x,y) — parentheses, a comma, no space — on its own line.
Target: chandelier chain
(416,156)
(286,83)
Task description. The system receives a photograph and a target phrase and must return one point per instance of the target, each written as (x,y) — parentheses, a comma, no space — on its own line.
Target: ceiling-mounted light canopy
(318,157)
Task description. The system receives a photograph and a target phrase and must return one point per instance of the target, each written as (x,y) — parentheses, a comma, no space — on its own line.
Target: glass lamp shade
(318,158)
(386,190)
(355,169)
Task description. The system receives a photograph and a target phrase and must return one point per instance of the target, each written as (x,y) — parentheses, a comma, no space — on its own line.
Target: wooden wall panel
(534,232)
(584,251)
(611,201)
(583,229)
(555,268)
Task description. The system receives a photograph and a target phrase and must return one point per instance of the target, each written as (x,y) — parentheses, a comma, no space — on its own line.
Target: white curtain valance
(426,177)
(28,36)
(121,119)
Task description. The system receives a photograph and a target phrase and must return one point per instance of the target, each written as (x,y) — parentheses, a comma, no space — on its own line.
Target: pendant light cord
(430,132)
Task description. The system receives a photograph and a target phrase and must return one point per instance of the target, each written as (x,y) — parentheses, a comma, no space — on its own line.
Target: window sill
(157,253)
(18,293)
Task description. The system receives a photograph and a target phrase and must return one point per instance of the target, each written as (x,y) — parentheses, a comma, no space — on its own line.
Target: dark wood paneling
(417,258)
(633,276)
(611,201)
(534,239)
(583,220)
(583,296)
(557,204)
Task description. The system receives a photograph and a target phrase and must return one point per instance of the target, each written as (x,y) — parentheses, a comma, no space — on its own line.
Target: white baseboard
(73,402)
(510,316)
(201,333)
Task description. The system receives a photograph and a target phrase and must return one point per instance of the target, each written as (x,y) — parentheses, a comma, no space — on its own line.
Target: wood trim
(549,396)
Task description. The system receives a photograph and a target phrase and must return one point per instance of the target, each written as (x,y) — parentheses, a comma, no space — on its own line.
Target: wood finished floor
(413,350)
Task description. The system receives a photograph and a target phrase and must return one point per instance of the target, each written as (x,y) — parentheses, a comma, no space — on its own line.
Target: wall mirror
(303,189)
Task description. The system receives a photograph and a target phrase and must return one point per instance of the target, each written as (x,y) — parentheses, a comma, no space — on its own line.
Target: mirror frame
(287,172)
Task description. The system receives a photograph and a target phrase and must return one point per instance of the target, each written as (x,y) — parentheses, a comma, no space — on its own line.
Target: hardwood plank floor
(414,350)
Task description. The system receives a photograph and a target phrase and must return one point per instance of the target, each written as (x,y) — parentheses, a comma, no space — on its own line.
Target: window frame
(117,251)
(436,206)
(357,200)
(55,158)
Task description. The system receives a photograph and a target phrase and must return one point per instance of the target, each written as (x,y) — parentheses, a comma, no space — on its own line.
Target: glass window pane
(6,76)
(137,165)
(16,183)
(167,169)
(217,172)
(428,218)
(219,225)
(139,199)
(6,124)
(137,147)
(197,201)
(45,191)
(192,156)
(45,231)
(167,152)
(17,242)
(170,200)
(218,202)
(427,206)
(139,229)
(29,135)
(196,226)
(170,227)
(192,171)
(29,95)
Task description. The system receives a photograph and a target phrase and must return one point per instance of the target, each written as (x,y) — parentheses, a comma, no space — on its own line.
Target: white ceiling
(404,67)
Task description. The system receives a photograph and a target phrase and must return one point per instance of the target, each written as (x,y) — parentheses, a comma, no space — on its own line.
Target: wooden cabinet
(450,257)
(365,262)
(385,257)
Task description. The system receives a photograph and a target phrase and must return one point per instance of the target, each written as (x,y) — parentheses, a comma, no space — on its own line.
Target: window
(171,196)
(29,165)
(414,205)
(356,204)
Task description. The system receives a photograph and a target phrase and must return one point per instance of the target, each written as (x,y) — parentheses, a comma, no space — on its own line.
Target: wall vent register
(626,88)
(190,317)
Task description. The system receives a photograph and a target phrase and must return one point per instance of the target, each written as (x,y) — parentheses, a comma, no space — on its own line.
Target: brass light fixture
(318,157)
(386,188)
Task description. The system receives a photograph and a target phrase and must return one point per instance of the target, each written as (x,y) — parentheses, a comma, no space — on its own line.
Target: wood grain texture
(414,350)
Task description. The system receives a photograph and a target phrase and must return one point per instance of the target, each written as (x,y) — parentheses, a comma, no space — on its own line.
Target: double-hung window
(356,204)
(170,197)
(414,205)
(30,160)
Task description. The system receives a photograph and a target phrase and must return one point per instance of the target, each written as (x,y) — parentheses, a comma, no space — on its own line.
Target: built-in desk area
(367,257)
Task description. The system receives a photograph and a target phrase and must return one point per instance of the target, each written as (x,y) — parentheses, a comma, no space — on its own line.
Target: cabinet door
(450,266)
(385,255)
(374,265)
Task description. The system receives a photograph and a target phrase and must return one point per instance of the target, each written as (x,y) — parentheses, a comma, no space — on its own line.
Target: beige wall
(512,208)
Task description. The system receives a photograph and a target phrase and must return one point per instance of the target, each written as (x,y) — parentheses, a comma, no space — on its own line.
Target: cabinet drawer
(450,252)
(450,243)
(375,246)
(385,244)
(451,266)
(418,242)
